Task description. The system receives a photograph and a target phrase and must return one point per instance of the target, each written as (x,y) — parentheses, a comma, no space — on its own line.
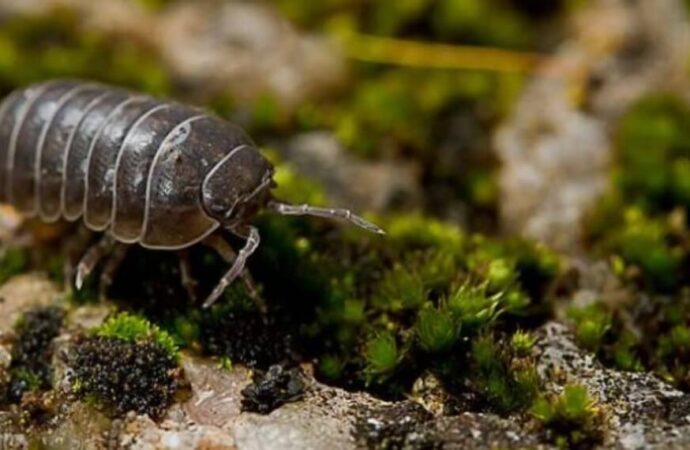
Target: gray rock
(247,49)
(642,410)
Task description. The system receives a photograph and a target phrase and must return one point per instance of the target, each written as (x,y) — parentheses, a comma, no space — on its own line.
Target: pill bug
(144,171)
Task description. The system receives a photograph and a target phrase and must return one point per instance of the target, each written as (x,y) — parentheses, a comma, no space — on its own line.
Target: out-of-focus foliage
(572,419)
(642,228)
(35,48)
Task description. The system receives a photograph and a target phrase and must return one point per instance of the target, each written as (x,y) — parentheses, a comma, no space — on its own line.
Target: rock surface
(643,411)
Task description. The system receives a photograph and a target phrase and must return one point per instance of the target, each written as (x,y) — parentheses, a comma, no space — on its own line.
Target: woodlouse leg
(91,258)
(223,248)
(253,240)
(188,281)
(74,248)
(329,213)
(119,252)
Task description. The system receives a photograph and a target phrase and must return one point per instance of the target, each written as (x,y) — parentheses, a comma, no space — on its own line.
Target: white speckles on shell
(180,134)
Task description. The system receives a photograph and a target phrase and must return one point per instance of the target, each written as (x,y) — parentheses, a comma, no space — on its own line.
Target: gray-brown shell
(123,162)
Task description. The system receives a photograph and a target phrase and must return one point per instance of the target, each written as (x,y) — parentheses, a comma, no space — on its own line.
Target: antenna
(329,213)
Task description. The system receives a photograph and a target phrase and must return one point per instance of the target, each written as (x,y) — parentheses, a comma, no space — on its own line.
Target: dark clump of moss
(271,389)
(571,419)
(30,369)
(246,337)
(400,425)
(127,363)
(121,376)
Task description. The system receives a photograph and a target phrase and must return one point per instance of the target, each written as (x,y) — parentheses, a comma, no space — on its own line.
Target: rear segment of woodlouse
(144,170)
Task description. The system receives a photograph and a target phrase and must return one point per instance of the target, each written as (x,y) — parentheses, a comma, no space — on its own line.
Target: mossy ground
(440,294)
(642,229)
(32,350)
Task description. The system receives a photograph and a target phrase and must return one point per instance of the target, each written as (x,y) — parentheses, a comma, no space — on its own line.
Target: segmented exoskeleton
(143,170)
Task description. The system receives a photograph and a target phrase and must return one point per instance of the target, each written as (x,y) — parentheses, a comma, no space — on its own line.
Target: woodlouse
(145,171)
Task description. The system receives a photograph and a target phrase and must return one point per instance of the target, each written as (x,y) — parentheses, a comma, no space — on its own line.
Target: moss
(225,363)
(650,185)
(295,188)
(376,313)
(382,356)
(32,351)
(653,151)
(591,324)
(246,337)
(647,243)
(571,419)
(473,307)
(522,342)
(119,376)
(415,231)
(400,289)
(14,261)
(131,328)
(506,384)
(436,329)
(463,19)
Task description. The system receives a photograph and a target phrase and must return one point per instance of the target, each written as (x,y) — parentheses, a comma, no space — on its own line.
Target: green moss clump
(666,344)
(473,307)
(132,328)
(294,188)
(651,244)
(571,419)
(653,153)
(437,330)
(382,356)
(30,369)
(14,261)
(522,342)
(602,331)
(651,185)
(507,383)
(591,324)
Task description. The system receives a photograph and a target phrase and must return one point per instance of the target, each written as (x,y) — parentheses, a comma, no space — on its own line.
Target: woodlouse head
(238,186)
